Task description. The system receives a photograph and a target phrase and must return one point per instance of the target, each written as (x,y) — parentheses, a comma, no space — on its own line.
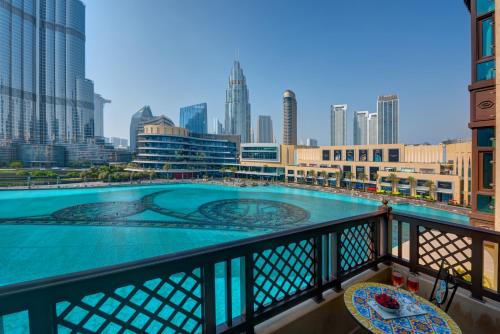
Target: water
(51,232)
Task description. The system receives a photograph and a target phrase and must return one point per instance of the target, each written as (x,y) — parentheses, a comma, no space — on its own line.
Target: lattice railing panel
(163,305)
(357,246)
(434,246)
(283,271)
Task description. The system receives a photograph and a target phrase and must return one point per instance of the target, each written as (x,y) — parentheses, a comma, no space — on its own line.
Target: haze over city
(170,54)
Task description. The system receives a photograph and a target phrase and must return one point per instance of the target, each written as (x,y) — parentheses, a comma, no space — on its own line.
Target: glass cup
(413,283)
(398,279)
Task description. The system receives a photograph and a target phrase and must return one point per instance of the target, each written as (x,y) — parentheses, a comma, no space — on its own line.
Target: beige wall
(163,129)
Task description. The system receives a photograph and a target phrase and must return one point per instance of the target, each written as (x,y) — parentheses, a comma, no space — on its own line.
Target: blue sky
(168,54)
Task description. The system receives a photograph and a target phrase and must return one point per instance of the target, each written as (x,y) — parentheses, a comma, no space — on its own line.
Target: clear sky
(168,54)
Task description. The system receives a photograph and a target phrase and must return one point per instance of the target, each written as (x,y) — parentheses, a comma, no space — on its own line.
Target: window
(394,155)
(373,173)
(363,155)
(486,30)
(377,155)
(485,137)
(485,70)
(486,163)
(444,185)
(337,155)
(349,155)
(484,6)
(485,203)
(326,155)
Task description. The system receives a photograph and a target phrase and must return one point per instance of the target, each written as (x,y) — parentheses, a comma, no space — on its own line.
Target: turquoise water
(51,232)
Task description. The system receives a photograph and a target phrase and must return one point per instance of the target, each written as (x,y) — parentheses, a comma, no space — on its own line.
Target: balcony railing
(231,287)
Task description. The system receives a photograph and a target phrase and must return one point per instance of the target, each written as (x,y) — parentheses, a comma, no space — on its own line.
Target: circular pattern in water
(253,212)
(103,211)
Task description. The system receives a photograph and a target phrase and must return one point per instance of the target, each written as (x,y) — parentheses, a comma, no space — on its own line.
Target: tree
(312,174)
(393,179)
(16,164)
(338,178)
(413,182)
(432,188)
(324,174)
(166,168)
(363,177)
(348,175)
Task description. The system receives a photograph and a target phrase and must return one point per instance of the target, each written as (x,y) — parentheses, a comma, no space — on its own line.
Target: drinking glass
(397,278)
(413,283)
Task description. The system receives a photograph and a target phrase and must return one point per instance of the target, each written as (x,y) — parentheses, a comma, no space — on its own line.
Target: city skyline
(319,80)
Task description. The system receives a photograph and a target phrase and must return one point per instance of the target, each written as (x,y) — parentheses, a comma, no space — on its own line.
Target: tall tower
(373,129)
(99,103)
(264,129)
(338,125)
(137,125)
(388,119)
(289,118)
(45,97)
(238,120)
(194,118)
(360,128)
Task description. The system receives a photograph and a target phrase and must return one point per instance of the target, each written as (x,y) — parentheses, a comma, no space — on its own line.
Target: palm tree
(166,168)
(348,175)
(323,174)
(394,179)
(413,182)
(312,174)
(429,184)
(363,177)
(338,177)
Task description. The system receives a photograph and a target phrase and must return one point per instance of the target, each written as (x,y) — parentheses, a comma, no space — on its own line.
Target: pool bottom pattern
(240,214)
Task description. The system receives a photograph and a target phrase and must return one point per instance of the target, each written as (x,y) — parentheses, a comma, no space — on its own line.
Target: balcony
(285,282)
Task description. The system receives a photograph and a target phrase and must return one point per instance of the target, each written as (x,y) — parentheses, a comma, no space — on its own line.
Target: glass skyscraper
(360,128)
(265,129)
(338,125)
(194,118)
(388,119)
(238,120)
(44,95)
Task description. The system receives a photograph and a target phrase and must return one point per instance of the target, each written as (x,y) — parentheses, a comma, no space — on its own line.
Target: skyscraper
(238,120)
(360,128)
(194,118)
(388,119)
(44,96)
(137,124)
(99,103)
(289,118)
(373,129)
(265,129)
(338,124)
(218,128)
(311,142)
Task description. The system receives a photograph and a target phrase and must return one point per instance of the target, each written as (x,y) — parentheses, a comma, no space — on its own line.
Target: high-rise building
(373,129)
(388,119)
(99,103)
(238,120)
(311,142)
(289,118)
(194,118)
(265,129)
(360,128)
(338,124)
(44,96)
(137,125)
(218,128)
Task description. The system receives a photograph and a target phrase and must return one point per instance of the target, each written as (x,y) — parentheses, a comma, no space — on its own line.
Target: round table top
(435,320)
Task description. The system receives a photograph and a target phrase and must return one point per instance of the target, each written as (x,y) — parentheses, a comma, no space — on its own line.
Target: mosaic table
(356,299)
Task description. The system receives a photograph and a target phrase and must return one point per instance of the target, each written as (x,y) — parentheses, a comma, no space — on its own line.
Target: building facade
(265,129)
(99,103)
(44,95)
(360,128)
(311,142)
(483,120)
(289,118)
(176,152)
(338,124)
(238,116)
(218,128)
(373,129)
(194,118)
(137,125)
(388,119)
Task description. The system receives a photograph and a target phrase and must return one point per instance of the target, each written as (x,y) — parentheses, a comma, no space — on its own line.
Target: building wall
(265,129)
(238,119)
(388,119)
(289,118)
(194,118)
(338,124)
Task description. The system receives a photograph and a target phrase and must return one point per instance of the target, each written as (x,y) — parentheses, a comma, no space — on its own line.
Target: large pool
(50,232)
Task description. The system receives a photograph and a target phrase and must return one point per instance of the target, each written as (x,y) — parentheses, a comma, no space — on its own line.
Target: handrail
(276,272)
